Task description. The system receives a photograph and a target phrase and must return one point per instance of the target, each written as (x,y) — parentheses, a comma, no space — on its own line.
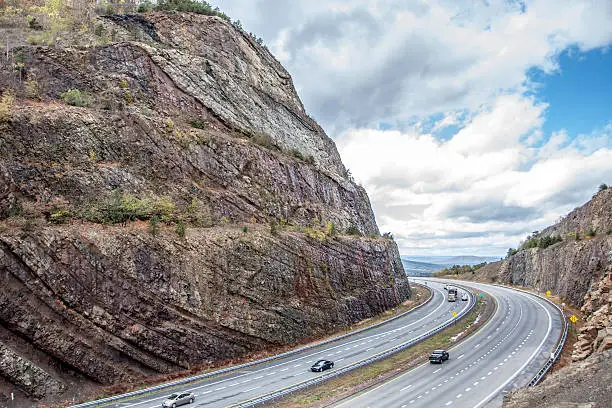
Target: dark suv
(438,356)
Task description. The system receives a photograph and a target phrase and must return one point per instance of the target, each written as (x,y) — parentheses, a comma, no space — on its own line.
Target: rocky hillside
(166,203)
(572,259)
(587,384)
(569,267)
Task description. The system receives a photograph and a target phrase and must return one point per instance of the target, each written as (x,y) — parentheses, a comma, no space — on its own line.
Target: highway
(502,355)
(241,385)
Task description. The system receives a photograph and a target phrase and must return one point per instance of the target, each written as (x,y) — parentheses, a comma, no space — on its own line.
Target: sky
(469,123)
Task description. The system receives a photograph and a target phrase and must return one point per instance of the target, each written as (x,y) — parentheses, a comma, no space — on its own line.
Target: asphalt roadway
(238,386)
(502,355)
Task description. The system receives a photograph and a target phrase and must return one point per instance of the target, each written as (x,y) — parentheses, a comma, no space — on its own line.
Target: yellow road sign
(454,314)
(573,319)
(548,293)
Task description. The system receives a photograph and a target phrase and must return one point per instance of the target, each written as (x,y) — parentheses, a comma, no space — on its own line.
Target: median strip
(341,387)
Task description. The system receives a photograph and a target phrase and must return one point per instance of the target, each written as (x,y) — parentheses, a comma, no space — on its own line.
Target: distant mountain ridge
(420,265)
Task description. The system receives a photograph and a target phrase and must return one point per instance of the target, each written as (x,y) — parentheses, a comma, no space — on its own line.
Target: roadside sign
(573,319)
(548,293)
(480,295)
(454,314)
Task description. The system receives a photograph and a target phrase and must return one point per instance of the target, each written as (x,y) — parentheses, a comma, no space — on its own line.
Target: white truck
(452,294)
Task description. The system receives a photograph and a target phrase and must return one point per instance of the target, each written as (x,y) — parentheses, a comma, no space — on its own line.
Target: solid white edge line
(537,351)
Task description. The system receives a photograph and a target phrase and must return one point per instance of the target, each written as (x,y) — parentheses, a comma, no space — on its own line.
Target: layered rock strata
(165,204)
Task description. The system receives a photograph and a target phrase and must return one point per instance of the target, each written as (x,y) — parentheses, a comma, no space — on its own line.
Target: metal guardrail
(555,355)
(315,381)
(249,364)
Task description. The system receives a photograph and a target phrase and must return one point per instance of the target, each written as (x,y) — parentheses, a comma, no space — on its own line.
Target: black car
(438,356)
(322,365)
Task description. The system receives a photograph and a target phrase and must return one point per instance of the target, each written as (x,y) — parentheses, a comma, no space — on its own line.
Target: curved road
(502,355)
(254,381)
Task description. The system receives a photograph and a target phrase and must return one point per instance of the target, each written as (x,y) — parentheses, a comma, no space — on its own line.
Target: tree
(603,187)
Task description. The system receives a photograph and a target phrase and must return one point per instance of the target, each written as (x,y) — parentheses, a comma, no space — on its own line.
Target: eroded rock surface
(188,118)
(567,268)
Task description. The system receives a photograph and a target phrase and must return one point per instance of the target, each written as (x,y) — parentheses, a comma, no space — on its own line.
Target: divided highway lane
(504,354)
(238,386)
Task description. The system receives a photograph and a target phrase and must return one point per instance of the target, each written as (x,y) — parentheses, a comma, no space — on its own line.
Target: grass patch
(337,389)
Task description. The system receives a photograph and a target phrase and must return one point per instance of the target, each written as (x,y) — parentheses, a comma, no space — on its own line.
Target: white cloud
(392,60)
(438,196)
(358,64)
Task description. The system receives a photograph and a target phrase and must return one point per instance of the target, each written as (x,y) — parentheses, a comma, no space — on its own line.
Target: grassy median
(339,388)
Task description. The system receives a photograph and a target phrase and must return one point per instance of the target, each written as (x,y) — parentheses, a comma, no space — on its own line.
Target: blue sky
(579,94)
(470,124)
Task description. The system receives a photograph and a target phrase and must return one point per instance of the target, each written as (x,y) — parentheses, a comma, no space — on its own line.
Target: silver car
(176,400)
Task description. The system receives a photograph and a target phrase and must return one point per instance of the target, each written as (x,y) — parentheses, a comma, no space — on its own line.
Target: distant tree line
(459,269)
(190,6)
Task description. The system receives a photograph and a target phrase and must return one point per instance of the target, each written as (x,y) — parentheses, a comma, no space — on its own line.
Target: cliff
(578,268)
(166,203)
(567,268)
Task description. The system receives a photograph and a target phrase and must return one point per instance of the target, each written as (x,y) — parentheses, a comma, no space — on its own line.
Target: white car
(464,297)
(176,400)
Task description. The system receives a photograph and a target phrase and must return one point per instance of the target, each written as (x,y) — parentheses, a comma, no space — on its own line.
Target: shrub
(109,9)
(274,227)
(591,233)
(127,97)
(180,229)
(59,216)
(193,6)
(34,24)
(164,208)
(330,229)
(511,251)
(315,232)
(388,235)
(349,176)
(603,187)
(75,97)
(32,89)
(297,154)
(545,242)
(99,30)
(224,220)
(154,226)
(353,230)
(6,105)
(264,140)
(44,38)
(120,208)
(145,6)
(195,123)
(530,243)
(245,229)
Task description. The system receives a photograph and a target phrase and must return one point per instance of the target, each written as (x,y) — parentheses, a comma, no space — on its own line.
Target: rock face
(580,270)
(567,268)
(587,384)
(596,334)
(189,213)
